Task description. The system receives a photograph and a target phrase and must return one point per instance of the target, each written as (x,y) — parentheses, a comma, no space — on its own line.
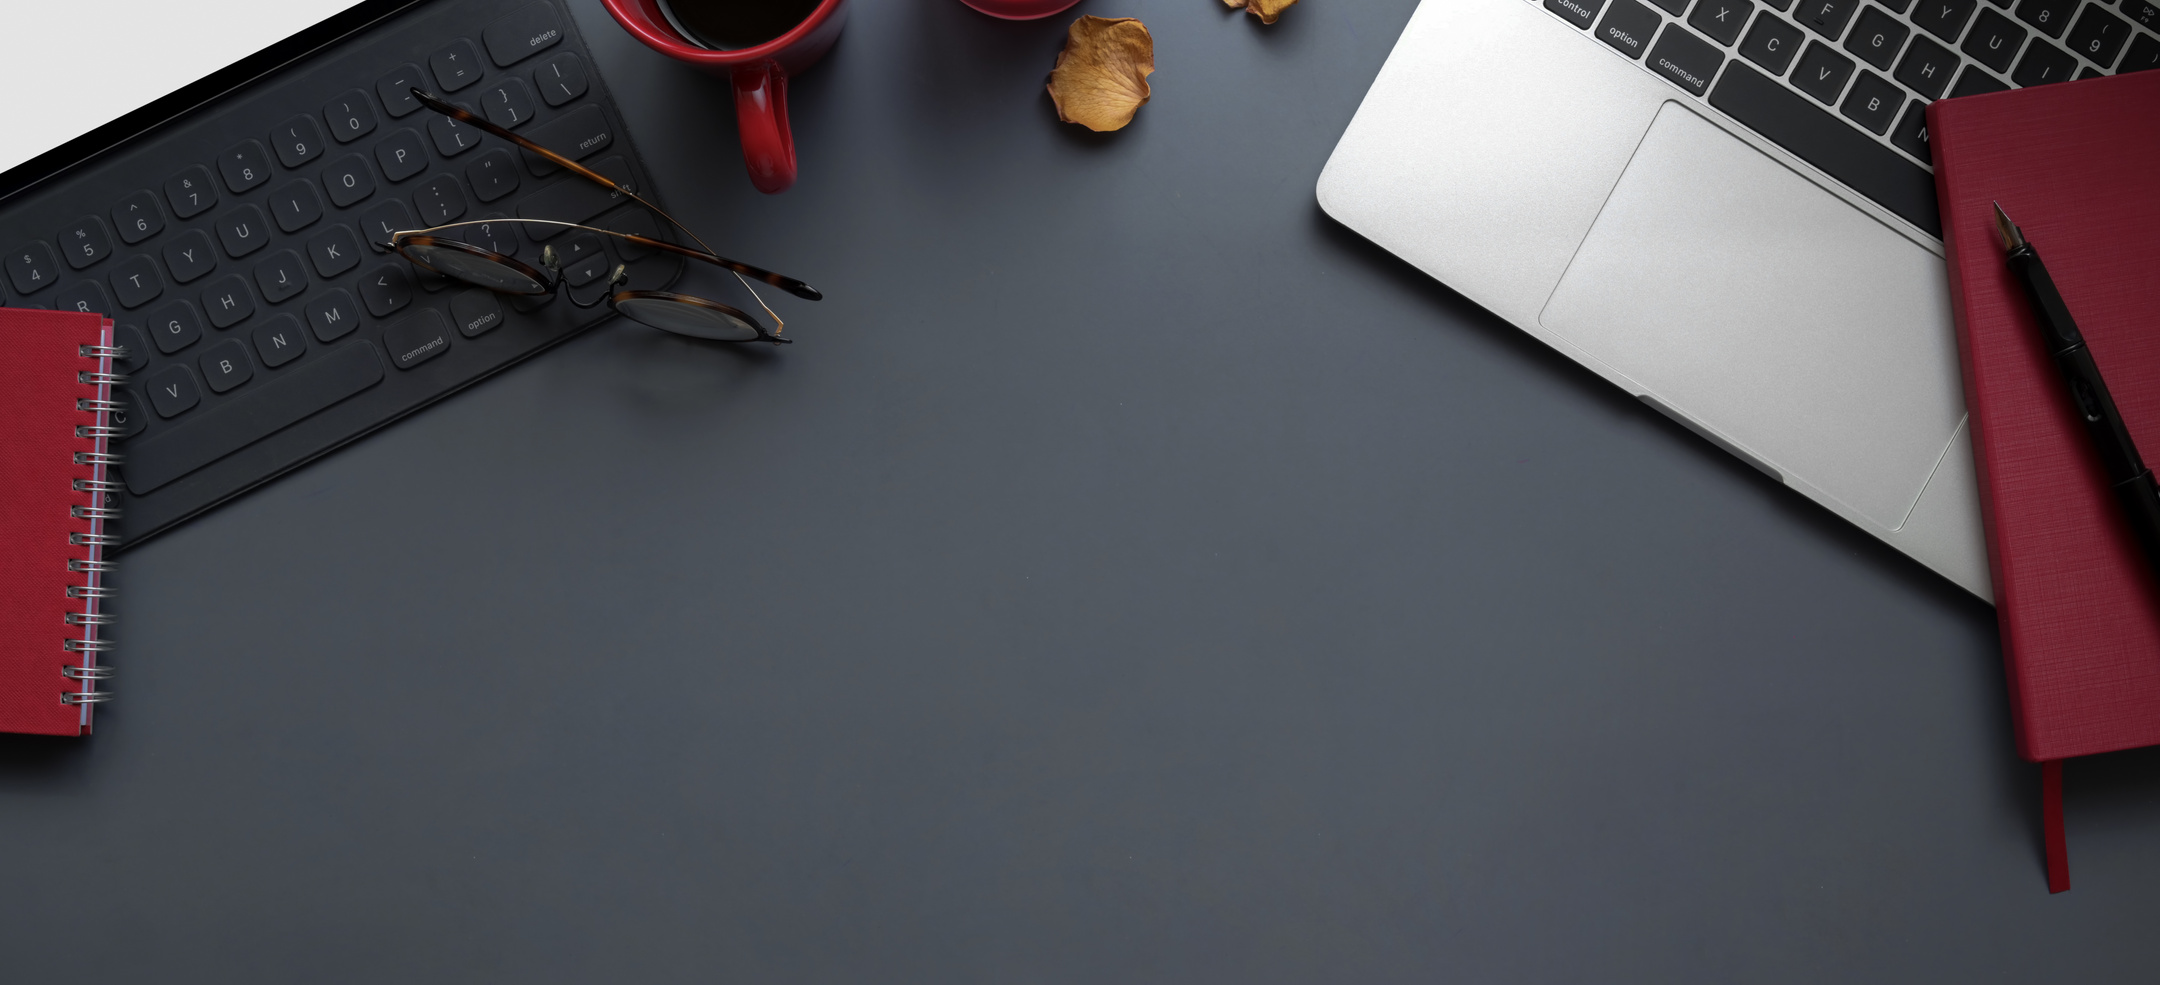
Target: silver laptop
(1725,208)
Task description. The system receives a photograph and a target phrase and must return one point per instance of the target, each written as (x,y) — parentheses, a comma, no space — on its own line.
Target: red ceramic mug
(760,75)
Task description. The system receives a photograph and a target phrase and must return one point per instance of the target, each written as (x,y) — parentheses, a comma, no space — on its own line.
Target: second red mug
(760,75)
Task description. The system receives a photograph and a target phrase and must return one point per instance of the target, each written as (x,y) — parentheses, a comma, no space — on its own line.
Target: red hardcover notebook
(55,394)
(2077,166)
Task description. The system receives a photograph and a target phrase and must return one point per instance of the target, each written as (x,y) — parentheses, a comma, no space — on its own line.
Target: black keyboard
(237,249)
(1844,85)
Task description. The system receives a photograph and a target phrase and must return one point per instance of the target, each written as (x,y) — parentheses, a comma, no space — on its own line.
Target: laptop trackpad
(1751,300)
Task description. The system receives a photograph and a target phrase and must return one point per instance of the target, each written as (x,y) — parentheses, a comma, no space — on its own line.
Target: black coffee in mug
(727,25)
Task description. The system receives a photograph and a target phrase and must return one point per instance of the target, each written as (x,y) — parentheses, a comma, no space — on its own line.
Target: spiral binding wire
(93,566)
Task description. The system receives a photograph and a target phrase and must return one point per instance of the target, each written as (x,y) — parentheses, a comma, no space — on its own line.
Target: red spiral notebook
(55,397)
(2077,165)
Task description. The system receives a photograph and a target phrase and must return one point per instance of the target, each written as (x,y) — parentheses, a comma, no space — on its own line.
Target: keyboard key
(1877,38)
(499,237)
(278,403)
(175,326)
(2143,12)
(1578,12)
(87,295)
(1829,143)
(1721,19)
(126,418)
(1778,5)
(349,180)
(508,104)
(131,338)
(1826,17)
(280,276)
(1873,102)
(297,141)
(225,365)
(395,89)
(1994,41)
(2098,35)
(228,302)
(382,220)
(295,205)
(332,314)
(189,192)
(278,341)
(493,175)
(2049,17)
(243,231)
(350,116)
(1927,67)
(1686,59)
(456,65)
(584,131)
(387,288)
(84,242)
(592,267)
(189,256)
(31,267)
(137,218)
(402,155)
(451,137)
(2089,72)
(636,222)
(244,165)
(475,312)
(172,391)
(440,200)
(1822,72)
(1673,7)
(1973,82)
(135,281)
(574,199)
(522,33)
(334,251)
(1897,6)
(562,78)
(2144,54)
(2044,63)
(1627,27)
(1944,19)
(417,339)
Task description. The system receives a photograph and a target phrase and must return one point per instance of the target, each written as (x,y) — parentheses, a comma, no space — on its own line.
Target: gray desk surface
(1130,576)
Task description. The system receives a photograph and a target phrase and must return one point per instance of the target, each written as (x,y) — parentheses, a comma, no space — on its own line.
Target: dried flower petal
(1266,10)
(1100,78)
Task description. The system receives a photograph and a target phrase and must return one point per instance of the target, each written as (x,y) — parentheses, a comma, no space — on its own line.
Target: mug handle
(761,115)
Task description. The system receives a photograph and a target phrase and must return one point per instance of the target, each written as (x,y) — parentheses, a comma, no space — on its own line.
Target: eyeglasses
(682,314)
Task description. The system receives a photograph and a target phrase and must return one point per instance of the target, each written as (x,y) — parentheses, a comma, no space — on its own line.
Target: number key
(2098,35)
(297,140)
(84,242)
(244,166)
(32,267)
(2049,17)
(189,192)
(350,116)
(137,218)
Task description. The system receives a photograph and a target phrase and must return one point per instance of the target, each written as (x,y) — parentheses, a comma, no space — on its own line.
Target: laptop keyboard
(236,249)
(1844,85)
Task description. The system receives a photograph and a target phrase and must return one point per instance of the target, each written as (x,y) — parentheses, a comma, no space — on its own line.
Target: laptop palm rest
(1771,314)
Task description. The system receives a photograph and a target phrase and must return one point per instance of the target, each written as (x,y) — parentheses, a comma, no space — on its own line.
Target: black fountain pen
(2133,482)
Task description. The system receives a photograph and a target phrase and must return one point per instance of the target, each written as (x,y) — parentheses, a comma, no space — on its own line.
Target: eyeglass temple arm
(781,281)
(788,284)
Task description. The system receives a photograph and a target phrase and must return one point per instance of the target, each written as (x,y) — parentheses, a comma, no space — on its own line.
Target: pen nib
(2012,236)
